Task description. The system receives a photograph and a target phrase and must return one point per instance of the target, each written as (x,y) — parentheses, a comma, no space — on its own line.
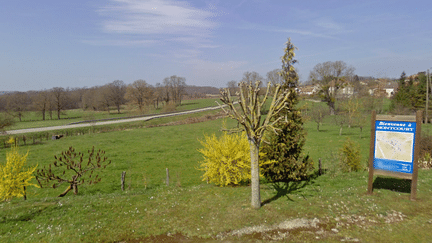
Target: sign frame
(410,176)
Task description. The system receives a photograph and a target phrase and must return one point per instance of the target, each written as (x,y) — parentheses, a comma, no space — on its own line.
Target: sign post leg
(371,153)
(416,155)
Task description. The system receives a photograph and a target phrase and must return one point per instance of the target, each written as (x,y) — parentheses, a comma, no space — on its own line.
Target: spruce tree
(285,146)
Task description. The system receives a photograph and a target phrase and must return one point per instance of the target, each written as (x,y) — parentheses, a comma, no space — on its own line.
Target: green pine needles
(286,146)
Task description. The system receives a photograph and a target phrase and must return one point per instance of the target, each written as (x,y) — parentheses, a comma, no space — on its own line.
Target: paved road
(146,118)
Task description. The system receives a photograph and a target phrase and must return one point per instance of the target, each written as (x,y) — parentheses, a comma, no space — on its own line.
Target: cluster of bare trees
(98,98)
(272,77)
(53,101)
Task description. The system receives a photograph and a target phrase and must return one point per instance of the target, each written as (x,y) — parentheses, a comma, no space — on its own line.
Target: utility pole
(427,96)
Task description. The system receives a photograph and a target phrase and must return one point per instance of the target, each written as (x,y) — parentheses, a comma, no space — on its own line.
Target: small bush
(425,160)
(226,159)
(350,157)
(169,107)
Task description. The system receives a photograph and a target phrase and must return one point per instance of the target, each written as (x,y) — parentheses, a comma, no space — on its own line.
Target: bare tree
(139,93)
(174,88)
(249,116)
(89,99)
(254,77)
(41,102)
(103,98)
(232,86)
(76,96)
(330,77)
(352,108)
(158,95)
(5,120)
(318,113)
(341,119)
(3,102)
(73,165)
(18,103)
(117,91)
(361,120)
(59,98)
(274,77)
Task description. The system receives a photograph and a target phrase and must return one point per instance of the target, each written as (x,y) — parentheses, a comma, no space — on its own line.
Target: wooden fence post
(167,177)
(123,175)
(25,193)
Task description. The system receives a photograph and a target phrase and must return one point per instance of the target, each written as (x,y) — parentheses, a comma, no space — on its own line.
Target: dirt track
(99,123)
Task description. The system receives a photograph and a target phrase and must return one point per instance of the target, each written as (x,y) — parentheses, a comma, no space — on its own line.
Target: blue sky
(49,43)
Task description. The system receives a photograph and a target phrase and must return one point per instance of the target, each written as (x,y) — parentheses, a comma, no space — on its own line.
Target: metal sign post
(394,148)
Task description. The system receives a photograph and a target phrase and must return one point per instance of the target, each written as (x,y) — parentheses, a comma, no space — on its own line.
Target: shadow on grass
(27,216)
(283,189)
(393,184)
(323,130)
(192,103)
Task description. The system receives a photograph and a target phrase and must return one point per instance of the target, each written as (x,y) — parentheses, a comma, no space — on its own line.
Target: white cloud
(120,42)
(158,18)
(304,32)
(329,24)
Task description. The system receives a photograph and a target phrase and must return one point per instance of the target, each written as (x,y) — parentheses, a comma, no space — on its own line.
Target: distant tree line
(52,103)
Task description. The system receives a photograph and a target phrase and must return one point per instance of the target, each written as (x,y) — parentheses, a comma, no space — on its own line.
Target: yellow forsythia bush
(226,159)
(13,176)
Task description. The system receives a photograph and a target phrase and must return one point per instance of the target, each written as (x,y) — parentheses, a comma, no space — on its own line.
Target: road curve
(146,118)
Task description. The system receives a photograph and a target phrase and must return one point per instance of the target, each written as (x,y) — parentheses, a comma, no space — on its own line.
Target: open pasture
(32,119)
(189,207)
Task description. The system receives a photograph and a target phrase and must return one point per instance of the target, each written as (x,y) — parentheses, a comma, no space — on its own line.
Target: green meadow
(190,210)
(33,119)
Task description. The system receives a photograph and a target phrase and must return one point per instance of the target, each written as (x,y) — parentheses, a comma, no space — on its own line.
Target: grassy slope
(104,213)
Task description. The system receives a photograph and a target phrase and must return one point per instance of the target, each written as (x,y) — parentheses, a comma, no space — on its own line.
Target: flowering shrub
(13,175)
(226,159)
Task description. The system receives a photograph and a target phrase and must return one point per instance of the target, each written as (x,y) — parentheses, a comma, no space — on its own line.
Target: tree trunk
(318,126)
(331,105)
(66,191)
(340,131)
(255,183)
(75,188)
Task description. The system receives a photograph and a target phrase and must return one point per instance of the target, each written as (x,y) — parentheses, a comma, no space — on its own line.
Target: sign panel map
(394,146)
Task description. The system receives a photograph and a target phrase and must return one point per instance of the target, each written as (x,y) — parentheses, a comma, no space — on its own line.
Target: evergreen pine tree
(286,145)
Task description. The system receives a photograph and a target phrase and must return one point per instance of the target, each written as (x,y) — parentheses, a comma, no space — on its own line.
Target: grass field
(191,210)
(34,119)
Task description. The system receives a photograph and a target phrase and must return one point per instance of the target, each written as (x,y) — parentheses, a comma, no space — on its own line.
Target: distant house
(344,92)
(384,87)
(347,91)
(308,90)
